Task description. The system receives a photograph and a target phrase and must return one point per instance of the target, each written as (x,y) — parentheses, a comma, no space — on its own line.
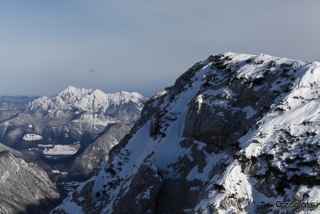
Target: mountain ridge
(79,106)
(85,100)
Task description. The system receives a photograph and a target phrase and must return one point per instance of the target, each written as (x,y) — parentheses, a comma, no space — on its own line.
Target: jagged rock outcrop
(235,133)
(25,187)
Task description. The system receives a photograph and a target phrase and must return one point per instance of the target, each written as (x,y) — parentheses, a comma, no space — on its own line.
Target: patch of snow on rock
(250,112)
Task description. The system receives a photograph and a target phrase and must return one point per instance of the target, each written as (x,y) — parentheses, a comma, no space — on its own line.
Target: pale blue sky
(141,46)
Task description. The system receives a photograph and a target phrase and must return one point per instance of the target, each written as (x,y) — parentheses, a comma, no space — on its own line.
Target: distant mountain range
(17,99)
(58,132)
(68,120)
(236,133)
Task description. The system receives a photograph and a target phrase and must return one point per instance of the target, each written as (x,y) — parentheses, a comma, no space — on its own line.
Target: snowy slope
(235,133)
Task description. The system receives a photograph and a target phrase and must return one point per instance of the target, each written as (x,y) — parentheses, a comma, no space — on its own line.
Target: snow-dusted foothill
(8,110)
(235,134)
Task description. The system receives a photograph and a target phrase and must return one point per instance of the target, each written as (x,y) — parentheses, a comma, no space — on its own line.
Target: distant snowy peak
(77,92)
(86,100)
(118,98)
(125,97)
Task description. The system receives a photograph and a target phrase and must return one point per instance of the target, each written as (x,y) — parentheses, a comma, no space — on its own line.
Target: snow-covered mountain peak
(60,125)
(235,133)
(133,96)
(98,93)
(75,91)
(86,100)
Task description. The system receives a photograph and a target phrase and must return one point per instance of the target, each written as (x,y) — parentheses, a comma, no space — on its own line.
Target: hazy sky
(141,46)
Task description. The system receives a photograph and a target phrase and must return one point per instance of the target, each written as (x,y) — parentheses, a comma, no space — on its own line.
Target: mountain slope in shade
(97,152)
(25,187)
(14,152)
(235,133)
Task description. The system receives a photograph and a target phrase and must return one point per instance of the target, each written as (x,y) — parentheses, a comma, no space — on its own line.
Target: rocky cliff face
(25,187)
(235,133)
